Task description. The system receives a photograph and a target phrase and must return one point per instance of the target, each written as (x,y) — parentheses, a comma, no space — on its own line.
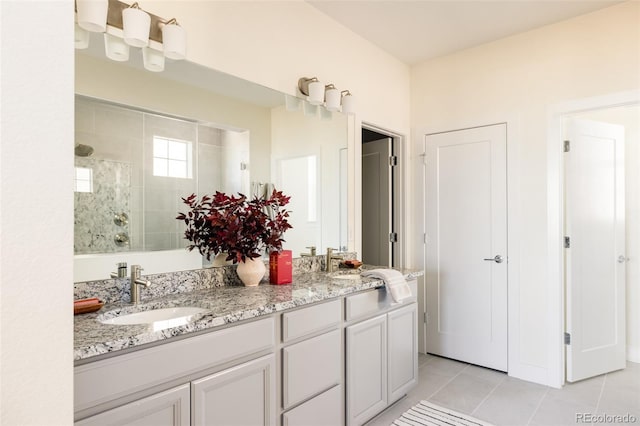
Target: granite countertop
(225,305)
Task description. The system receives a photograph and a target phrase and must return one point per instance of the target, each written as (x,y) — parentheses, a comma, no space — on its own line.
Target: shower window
(172,158)
(84,180)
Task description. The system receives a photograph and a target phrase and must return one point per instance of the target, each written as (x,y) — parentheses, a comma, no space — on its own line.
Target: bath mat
(428,414)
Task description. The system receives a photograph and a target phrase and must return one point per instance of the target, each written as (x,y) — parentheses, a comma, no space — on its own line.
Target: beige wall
(518,79)
(36,213)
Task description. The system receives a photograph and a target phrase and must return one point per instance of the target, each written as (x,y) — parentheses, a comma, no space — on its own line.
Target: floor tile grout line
(604,382)
(488,395)
(538,406)
(449,381)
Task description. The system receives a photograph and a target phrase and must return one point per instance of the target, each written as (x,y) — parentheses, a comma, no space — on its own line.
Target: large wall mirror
(144,140)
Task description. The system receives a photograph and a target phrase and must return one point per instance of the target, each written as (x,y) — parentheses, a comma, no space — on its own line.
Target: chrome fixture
(498,259)
(120,219)
(121,239)
(328,95)
(136,281)
(330,257)
(312,252)
(122,270)
(158,37)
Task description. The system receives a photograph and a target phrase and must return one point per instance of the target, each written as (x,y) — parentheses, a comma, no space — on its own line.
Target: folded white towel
(394,282)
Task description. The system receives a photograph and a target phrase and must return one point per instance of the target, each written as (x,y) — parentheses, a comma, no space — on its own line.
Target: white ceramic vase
(251,271)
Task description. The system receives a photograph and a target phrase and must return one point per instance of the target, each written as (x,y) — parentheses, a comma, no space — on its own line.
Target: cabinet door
(402,350)
(239,396)
(168,408)
(366,369)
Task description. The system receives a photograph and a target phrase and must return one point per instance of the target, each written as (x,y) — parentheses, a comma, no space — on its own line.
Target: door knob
(622,259)
(497,259)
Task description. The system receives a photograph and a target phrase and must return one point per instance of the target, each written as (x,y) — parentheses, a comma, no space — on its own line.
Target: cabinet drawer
(309,320)
(372,302)
(135,371)
(323,410)
(311,367)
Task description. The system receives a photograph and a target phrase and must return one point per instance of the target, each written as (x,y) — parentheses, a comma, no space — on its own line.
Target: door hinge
(393,160)
(567,242)
(425,318)
(567,338)
(425,238)
(567,146)
(393,237)
(243,166)
(424,158)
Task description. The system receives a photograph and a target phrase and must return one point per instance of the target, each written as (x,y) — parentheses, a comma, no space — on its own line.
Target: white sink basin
(347,277)
(159,319)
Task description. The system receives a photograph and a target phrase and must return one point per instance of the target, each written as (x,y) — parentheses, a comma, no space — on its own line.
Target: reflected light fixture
(81,37)
(92,15)
(153,59)
(136,24)
(115,48)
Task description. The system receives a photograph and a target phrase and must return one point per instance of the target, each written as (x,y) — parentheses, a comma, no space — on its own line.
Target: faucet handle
(313,250)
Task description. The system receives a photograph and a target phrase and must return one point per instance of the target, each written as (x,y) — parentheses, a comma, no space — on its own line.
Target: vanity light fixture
(128,25)
(348,104)
(174,40)
(332,97)
(92,15)
(313,89)
(136,24)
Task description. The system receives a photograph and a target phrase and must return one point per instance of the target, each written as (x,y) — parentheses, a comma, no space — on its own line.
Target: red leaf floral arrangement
(243,228)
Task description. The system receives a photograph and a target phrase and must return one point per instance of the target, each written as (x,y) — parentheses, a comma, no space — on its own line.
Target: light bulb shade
(316,93)
(115,48)
(153,59)
(136,24)
(291,103)
(333,99)
(309,109)
(92,15)
(348,104)
(174,41)
(81,37)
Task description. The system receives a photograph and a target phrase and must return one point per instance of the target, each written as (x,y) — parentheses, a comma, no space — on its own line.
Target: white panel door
(595,261)
(466,223)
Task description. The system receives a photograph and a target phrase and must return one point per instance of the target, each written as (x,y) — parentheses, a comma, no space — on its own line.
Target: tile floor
(496,398)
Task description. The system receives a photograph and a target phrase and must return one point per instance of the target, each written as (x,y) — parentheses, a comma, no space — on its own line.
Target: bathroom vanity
(324,350)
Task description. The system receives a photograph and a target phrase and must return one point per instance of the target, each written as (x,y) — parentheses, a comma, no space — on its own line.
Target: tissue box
(280,267)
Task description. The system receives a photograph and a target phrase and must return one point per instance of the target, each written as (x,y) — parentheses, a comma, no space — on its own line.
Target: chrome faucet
(136,281)
(122,270)
(312,252)
(330,258)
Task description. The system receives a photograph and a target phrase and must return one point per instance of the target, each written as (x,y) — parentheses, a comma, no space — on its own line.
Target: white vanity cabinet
(239,396)
(168,408)
(382,352)
(312,366)
(206,379)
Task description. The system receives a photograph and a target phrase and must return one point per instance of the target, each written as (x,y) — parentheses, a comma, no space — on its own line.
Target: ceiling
(417,30)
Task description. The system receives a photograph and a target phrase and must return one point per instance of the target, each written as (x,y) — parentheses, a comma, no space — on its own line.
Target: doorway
(466,245)
(601,229)
(380,190)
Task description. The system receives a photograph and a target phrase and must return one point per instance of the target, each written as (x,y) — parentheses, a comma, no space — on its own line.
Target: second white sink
(159,319)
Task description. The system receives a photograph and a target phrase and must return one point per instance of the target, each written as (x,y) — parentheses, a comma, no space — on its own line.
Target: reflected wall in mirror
(236,133)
